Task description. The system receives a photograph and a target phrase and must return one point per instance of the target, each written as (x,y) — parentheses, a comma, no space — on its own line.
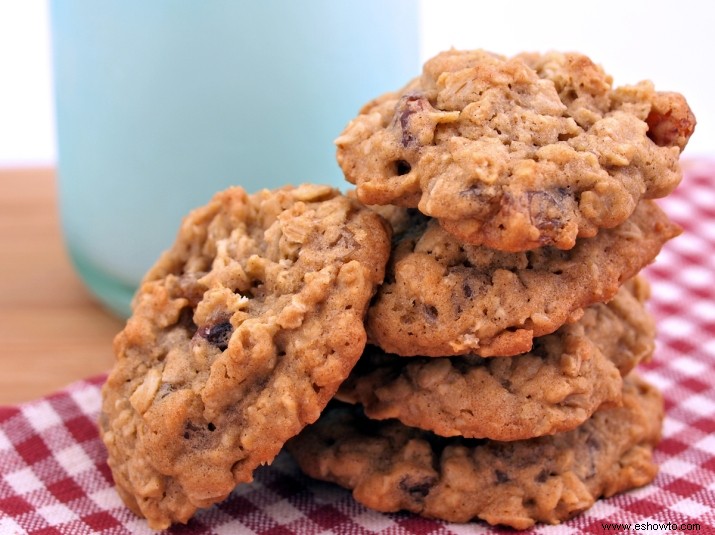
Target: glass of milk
(160,104)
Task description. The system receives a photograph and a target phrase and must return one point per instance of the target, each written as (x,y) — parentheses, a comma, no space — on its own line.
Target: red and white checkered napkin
(54,477)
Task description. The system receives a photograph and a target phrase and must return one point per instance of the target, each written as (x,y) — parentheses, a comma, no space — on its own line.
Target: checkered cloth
(54,477)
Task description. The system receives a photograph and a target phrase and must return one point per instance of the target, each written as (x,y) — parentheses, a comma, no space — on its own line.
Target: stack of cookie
(497,383)
(504,317)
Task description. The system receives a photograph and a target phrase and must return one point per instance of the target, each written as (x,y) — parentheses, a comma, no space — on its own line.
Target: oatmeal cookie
(392,467)
(555,387)
(517,153)
(240,335)
(444,298)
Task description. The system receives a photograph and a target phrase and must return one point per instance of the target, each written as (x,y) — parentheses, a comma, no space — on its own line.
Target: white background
(671,43)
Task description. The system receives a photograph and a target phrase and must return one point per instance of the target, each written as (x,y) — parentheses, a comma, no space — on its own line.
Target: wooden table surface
(52,331)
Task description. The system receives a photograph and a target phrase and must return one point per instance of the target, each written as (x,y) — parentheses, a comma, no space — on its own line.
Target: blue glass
(160,104)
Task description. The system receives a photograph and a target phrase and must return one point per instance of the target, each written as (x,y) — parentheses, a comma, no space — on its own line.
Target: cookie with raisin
(240,335)
(391,467)
(554,387)
(517,153)
(442,297)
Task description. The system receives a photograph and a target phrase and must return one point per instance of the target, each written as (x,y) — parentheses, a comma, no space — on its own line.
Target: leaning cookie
(444,298)
(517,153)
(240,335)
(391,467)
(555,387)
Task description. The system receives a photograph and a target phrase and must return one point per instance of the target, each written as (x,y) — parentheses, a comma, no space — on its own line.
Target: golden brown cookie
(517,153)
(240,335)
(444,298)
(555,387)
(392,467)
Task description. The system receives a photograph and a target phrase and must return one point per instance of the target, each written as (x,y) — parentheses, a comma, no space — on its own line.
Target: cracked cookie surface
(392,467)
(240,335)
(444,298)
(555,387)
(517,153)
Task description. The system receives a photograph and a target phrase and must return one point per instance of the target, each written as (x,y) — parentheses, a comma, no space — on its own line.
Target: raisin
(670,121)
(543,476)
(417,488)
(546,209)
(191,430)
(407,106)
(431,312)
(502,477)
(218,334)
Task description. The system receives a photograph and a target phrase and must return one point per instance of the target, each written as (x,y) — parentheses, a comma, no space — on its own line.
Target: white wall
(672,43)
(26,108)
(669,42)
